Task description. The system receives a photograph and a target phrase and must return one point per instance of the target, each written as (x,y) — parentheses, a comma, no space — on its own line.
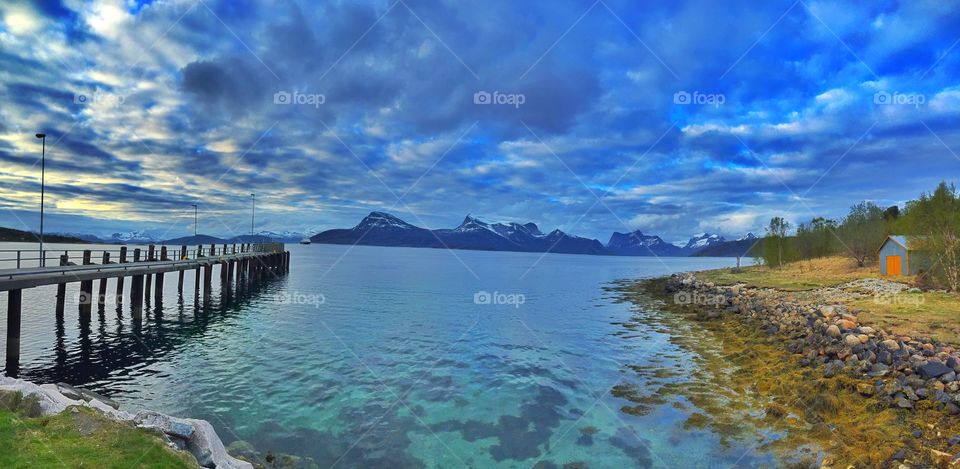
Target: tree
(815,238)
(775,241)
(862,231)
(891,213)
(936,219)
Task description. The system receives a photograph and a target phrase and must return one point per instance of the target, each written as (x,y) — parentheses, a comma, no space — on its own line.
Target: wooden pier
(240,263)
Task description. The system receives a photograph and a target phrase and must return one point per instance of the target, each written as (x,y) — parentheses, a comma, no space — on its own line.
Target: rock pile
(898,369)
(196,436)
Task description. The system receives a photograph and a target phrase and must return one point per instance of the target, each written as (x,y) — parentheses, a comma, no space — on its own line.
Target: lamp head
(41,135)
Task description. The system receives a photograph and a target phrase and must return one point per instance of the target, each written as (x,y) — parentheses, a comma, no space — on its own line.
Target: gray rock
(180,428)
(833,331)
(933,370)
(206,446)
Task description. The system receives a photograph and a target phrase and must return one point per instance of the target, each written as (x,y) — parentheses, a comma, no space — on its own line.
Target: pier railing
(31,258)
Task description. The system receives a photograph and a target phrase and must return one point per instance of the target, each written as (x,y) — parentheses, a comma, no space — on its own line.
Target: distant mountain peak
(702,240)
(382,220)
(747,236)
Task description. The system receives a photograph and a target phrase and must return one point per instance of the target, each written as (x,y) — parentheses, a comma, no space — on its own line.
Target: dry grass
(929,314)
(797,276)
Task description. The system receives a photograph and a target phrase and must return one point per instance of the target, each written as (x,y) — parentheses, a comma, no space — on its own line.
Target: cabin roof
(910,243)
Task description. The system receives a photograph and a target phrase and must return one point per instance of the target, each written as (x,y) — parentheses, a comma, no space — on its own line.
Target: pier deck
(244,262)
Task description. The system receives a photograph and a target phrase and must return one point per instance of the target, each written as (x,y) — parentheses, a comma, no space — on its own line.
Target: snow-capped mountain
(748,236)
(639,244)
(702,240)
(133,237)
(383,229)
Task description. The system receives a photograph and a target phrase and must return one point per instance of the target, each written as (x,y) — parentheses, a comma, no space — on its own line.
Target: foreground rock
(899,370)
(195,436)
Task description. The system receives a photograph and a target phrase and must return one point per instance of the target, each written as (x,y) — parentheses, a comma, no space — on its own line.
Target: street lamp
(253,212)
(194,220)
(43,171)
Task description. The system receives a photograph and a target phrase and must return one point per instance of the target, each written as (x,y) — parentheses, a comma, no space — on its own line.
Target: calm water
(381,357)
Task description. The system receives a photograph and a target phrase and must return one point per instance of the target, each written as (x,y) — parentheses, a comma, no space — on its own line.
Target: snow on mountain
(382,220)
(702,240)
(747,236)
(133,237)
(638,244)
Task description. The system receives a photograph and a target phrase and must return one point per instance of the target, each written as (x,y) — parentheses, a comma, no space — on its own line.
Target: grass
(927,314)
(796,276)
(80,438)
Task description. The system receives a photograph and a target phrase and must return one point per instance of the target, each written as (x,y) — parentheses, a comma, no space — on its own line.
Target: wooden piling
(136,291)
(61,290)
(207,281)
(14,298)
(183,256)
(86,290)
(102,295)
(122,260)
(151,256)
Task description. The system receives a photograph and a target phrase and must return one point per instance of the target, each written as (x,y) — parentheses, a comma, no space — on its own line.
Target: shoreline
(819,346)
(190,436)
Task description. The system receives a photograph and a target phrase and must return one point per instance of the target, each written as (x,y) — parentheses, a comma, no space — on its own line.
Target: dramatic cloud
(594,117)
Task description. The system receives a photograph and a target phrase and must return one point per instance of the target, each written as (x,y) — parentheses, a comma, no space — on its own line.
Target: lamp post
(43,172)
(253,212)
(194,220)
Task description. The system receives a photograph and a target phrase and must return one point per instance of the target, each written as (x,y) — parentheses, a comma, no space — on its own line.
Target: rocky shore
(195,436)
(901,372)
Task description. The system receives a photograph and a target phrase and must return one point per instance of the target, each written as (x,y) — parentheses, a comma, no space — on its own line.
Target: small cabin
(902,255)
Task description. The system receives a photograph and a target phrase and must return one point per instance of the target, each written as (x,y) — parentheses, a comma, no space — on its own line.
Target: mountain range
(384,229)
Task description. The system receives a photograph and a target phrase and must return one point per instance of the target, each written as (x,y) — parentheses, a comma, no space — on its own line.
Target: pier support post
(136,291)
(86,291)
(102,294)
(158,290)
(122,260)
(61,291)
(14,298)
(207,276)
(230,270)
(151,256)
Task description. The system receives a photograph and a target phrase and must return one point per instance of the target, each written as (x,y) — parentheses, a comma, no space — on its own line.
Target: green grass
(78,439)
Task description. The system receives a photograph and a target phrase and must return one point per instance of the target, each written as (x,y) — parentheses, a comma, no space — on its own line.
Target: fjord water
(392,357)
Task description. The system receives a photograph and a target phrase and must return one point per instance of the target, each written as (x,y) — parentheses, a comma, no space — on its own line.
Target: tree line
(932,220)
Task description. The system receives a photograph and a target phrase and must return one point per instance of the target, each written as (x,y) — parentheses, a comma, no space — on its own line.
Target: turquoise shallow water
(391,357)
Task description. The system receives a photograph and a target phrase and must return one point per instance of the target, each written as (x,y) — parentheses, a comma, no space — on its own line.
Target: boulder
(206,446)
(851,340)
(891,344)
(180,428)
(933,370)
(833,331)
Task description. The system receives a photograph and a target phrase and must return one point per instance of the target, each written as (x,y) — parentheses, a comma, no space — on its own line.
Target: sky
(673,118)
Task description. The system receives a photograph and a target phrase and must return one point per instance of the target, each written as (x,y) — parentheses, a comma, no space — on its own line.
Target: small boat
(305,241)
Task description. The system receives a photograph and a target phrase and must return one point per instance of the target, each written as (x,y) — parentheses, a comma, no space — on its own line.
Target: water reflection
(119,344)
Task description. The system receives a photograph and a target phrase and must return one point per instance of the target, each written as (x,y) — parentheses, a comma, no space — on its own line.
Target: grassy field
(797,276)
(78,439)
(927,314)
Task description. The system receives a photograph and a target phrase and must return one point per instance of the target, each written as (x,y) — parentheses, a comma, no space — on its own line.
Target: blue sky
(669,117)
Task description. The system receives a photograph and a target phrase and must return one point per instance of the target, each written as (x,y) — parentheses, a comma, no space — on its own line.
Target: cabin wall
(891,248)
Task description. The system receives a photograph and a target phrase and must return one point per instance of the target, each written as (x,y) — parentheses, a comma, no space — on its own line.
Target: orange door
(893,265)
